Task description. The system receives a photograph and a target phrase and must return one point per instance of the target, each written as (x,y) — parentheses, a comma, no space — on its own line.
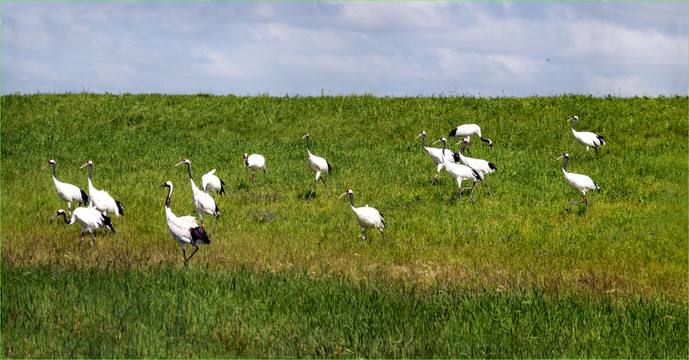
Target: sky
(459,48)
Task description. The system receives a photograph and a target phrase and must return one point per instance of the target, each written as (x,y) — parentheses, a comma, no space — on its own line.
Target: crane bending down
(587,139)
(212,183)
(184,229)
(317,164)
(469,130)
(578,182)
(67,192)
(437,155)
(366,216)
(100,199)
(482,167)
(460,172)
(255,162)
(89,218)
(204,203)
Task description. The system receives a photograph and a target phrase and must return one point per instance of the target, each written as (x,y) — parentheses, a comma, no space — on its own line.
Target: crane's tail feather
(84,198)
(198,234)
(492,166)
(105,222)
(456,157)
(222,188)
(120,209)
(453,133)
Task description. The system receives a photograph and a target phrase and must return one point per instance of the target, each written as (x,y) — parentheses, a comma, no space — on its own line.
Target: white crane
(578,182)
(89,218)
(184,229)
(67,192)
(469,130)
(255,162)
(482,167)
(367,217)
(437,155)
(587,139)
(211,183)
(100,199)
(204,203)
(317,164)
(460,172)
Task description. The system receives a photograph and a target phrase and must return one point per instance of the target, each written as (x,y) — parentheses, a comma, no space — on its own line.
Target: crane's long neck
(64,216)
(443,153)
(461,150)
(564,166)
(169,194)
(54,171)
(575,122)
(90,182)
(189,170)
(307,146)
(424,140)
(351,200)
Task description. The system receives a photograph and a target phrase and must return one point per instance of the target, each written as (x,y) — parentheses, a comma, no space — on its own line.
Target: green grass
(630,244)
(207,312)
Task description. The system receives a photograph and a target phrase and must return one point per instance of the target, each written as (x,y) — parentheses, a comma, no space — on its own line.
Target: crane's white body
(89,218)
(204,203)
(460,172)
(367,217)
(211,183)
(436,155)
(585,138)
(579,182)
(317,164)
(255,162)
(65,191)
(100,199)
(482,167)
(467,131)
(184,229)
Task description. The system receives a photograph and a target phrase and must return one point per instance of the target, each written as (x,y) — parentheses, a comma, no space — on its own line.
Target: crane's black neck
(484,140)
(424,140)
(307,143)
(54,169)
(169,194)
(351,199)
(246,161)
(443,153)
(564,166)
(575,122)
(461,150)
(64,216)
(189,170)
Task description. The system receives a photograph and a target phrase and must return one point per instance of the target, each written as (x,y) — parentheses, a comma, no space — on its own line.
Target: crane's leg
(485,183)
(69,209)
(363,237)
(94,238)
(210,233)
(264,177)
(192,254)
(582,201)
(184,254)
(326,187)
(587,152)
(82,234)
(252,178)
(312,190)
(596,148)
(434,178)
(437,171)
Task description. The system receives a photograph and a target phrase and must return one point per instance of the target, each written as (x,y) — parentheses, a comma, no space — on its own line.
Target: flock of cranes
(187,231)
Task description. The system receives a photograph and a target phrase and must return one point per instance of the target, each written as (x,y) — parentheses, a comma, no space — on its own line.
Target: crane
(212,183)
(482,167)
(437,155)
(67,192)
(460,172)
(469,130)
(587,139)
(317,164)
(89,218)
(184,229)
(204,203)
(100,199)
(366,216)
(578,182)
(255,162)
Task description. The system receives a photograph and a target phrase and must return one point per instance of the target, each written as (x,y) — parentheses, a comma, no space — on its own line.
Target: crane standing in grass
(212,183)
(67,192)
(469,130)
(100,199)
(204,203)
(578,182)
(460,172)
(317,164)
(587,139)
(482,167)
(437,156)
(89,218)
(184,229)
(366,216)
(255,162)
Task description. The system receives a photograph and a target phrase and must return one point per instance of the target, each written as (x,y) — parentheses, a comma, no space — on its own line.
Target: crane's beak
(570,119)
(179,163)
(560,157)
(304,136)
(161,185)
(417,136)
(46,164)
(54,216)
(83,165)
(437,141)
(340,197)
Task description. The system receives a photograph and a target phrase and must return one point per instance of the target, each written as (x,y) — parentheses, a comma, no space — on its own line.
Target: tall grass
(632,240)
(167,311)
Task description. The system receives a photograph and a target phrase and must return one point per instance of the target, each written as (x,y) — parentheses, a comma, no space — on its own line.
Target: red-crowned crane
(467,131)
(317,164)
(89,218)
(211,183)
(255,162)
(587,139)
(437,155)
(460,172)
(367,217)
(204,203)
(100,199)
(67,192)
(578,182)
(184,229)
(482,167)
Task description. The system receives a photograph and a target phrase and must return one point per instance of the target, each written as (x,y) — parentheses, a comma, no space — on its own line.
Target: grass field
(629,249)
